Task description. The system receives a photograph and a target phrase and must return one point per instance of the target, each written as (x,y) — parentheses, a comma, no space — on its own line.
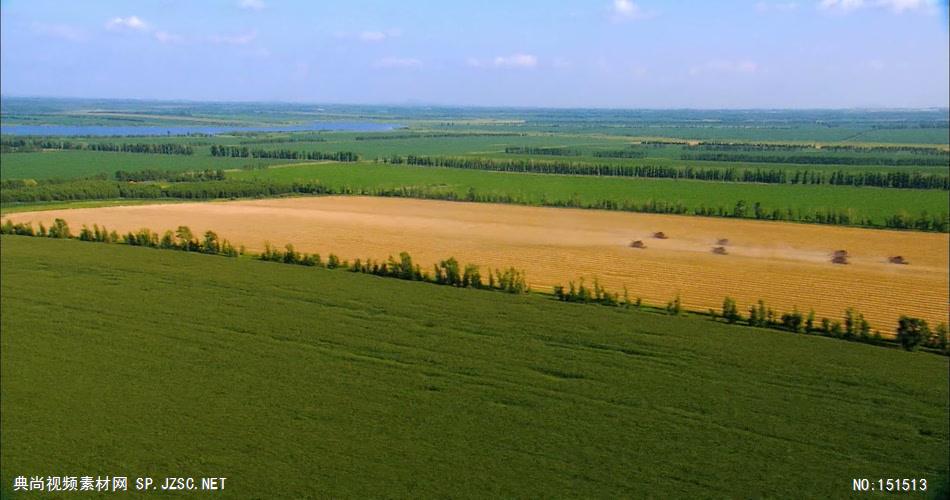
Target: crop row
(901,180)
(911,332)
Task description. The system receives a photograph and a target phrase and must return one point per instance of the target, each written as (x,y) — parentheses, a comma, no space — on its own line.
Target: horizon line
(409,104)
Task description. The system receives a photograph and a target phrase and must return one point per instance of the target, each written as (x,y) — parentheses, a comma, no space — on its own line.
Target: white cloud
(130,23)
(896,6)
(625,10)
(166,37)
(398,62)
(724,66)
(841,5)
(516,61)
(372,36)
(900,6)
(233,39)
(135,23)
(61,31)
(369,36)
(764,7)
(513,61)
(252,4)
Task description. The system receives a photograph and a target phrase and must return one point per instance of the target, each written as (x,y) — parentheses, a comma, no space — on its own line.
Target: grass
(297,382)
(73,164)
(536,189)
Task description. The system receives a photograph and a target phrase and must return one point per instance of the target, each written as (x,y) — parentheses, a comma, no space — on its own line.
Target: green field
(72,164)
(302,382)
(75,164)
(874,203)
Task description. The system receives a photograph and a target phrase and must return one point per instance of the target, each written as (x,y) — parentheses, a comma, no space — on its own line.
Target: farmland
(428,390)
(260,249)
(483,143)
(66,164)
(875,204)
(305,381)
(742,165)
(787,265)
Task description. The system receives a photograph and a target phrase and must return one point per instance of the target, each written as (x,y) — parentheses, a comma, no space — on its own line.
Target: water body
(127,130)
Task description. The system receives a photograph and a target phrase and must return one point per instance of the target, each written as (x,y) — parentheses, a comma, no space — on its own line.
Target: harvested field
(785,264)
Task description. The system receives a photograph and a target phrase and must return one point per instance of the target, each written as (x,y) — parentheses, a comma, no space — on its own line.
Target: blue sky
(583,53)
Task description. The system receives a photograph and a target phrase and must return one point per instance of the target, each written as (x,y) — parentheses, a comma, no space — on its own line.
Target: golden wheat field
(787,265)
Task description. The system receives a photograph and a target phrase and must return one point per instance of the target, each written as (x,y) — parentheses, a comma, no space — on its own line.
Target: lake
(127,130)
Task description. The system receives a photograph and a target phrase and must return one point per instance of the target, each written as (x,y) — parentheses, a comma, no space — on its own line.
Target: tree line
(565,151)
(548,151)
(192,190)
(447,272)
(24,145)
(911,332)
(180,239)
(928,161)
(283,154)
(752,147)
(619,153)
(384,136)
(280,140)
(170,176)
(899,180)
(20,191)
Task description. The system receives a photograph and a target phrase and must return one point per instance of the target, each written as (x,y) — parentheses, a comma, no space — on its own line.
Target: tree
(793,321)
(210,243)
(405,267)
(939,338)
(675,306)
(758,314)
(855,325)
(448,272)
(228,249)
(730,311)
(911,332)
(168,240)
(471,276)
(185,238)
(836,329)
(59,229)
(290,255)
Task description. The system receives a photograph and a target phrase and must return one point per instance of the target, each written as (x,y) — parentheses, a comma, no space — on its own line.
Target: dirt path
(785,264)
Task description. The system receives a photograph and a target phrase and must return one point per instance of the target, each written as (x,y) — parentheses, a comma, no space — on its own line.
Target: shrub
(59,229)
(911,332)
(793,321)
(939,339)
(675,306)
(730,311)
